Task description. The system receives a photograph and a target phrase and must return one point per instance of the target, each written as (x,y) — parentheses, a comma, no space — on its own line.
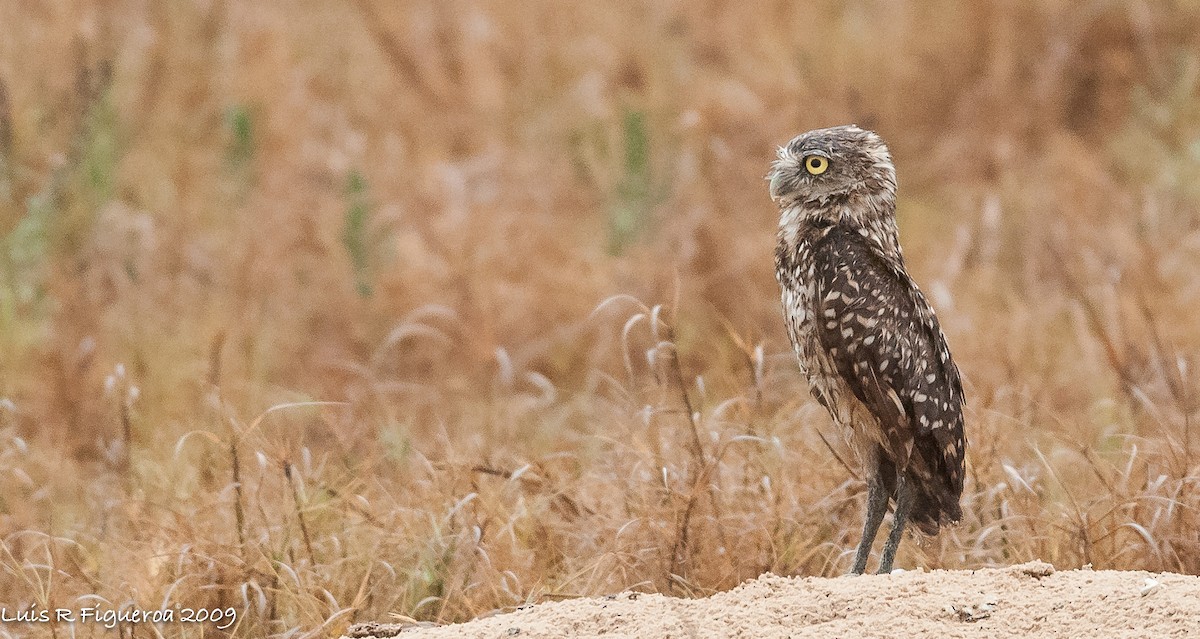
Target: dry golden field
(330,311)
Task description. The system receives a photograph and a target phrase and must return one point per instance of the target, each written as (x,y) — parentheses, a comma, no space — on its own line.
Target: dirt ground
(1027,600)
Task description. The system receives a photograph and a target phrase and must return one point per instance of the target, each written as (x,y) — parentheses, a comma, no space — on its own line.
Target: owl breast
(795,270)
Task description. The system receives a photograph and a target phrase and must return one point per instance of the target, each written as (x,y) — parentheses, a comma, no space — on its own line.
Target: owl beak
(777,183)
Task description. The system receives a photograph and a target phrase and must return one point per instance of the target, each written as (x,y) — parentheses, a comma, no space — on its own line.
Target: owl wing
(885,343)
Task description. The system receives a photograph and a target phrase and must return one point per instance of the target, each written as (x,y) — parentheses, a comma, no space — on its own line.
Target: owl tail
(939,485)
(934,509)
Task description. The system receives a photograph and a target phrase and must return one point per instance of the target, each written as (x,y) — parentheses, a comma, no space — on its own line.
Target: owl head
(834,164)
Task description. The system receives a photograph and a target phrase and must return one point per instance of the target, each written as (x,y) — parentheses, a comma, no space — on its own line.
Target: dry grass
(326,311)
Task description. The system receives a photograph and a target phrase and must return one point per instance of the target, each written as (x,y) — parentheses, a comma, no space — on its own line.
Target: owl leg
(877,501)
(905,495)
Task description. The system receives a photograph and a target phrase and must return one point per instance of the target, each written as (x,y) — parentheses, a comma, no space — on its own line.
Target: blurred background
(345,311)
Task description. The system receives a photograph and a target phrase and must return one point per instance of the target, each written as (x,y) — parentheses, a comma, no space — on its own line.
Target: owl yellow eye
(816,164)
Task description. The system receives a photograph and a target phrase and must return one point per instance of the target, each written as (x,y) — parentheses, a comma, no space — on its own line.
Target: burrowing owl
(867,340)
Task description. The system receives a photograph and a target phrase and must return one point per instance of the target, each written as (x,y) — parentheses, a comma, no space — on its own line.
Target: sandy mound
(1029,600)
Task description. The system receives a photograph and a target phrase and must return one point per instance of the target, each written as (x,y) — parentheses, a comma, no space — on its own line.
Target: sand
(1027,600)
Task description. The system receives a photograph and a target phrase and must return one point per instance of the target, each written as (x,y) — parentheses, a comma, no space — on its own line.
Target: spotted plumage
(866,338)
